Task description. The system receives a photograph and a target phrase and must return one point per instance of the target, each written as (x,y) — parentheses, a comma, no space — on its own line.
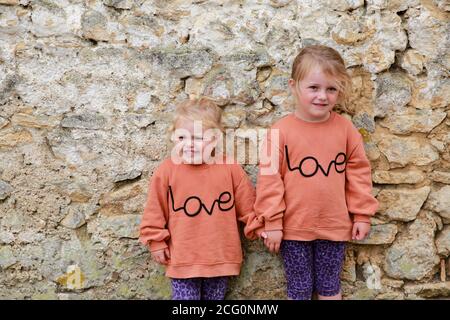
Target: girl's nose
(322,95)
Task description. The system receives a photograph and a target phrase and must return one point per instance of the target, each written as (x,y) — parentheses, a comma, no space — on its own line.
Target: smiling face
(316,95)
(193,143)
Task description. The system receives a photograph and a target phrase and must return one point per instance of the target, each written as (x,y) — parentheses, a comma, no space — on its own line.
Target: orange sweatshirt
(323,184)
(194,210)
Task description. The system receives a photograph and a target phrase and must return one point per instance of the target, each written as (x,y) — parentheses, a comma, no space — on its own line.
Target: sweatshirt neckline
(201,166)
(330,118)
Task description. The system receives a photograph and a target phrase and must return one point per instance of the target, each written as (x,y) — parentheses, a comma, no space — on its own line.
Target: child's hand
(360,230)
(161,256)
(272,239)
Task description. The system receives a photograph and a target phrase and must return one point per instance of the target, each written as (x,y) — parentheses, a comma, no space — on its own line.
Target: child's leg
(328,262)
(214,288)
(186,289)
(298,263)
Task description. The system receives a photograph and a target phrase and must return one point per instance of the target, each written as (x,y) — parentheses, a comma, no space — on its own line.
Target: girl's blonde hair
(330,62)
(199,109)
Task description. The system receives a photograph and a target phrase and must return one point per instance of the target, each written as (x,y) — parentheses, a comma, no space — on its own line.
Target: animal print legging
(199,288)
(312,265)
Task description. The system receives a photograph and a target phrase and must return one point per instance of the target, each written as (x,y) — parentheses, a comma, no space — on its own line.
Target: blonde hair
(330,62)
(199,109)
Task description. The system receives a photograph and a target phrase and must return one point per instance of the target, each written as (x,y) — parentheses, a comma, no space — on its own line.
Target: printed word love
(196,203)
(339,160)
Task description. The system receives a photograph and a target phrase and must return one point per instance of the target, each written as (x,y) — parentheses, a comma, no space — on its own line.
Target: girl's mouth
(320,104)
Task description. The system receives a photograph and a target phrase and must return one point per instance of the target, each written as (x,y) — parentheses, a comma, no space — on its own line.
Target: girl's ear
(292,85)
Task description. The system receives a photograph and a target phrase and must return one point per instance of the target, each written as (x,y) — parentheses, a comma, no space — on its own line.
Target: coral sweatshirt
(323,184)
(194,211)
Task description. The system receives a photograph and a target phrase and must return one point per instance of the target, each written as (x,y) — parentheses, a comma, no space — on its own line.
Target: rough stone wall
(86,90)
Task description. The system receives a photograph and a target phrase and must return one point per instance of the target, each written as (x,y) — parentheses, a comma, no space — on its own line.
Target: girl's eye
(313,87)
(332,89)
(180,138)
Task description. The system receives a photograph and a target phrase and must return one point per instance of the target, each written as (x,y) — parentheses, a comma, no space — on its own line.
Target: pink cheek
(306,98)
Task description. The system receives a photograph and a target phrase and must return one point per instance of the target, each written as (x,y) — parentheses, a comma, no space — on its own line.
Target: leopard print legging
(312,266)
(199,288)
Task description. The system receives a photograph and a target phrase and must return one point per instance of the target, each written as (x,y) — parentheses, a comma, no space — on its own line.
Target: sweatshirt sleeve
(153,228)
(244,196)
(269,204)
(358,185)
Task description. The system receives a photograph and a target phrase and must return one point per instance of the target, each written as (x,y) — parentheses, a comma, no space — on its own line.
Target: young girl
(194,202)
(320,196)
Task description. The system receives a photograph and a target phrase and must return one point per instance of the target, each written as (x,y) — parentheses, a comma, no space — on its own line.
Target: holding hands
(272,240)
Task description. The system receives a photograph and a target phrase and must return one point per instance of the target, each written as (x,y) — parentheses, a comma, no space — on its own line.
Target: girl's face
(316,95)
(194,144)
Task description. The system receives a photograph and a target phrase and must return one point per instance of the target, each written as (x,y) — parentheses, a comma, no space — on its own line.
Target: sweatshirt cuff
(157,245)
(361,218)
(255,234)
(274,225)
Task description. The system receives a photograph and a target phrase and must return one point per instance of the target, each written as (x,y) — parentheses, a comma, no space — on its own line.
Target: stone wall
(86,91)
